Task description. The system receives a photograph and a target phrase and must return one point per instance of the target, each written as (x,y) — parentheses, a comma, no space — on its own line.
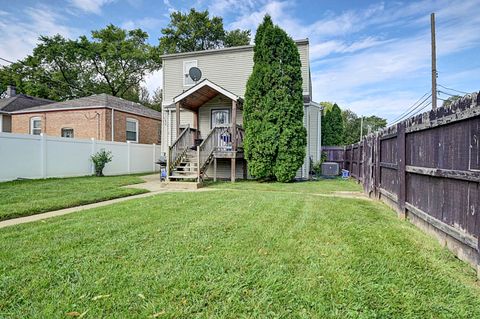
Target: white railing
(34,156)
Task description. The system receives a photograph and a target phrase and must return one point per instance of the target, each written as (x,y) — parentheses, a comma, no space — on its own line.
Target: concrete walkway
(152,184)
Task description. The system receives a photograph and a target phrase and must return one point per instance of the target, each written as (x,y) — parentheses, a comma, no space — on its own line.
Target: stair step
(183,177)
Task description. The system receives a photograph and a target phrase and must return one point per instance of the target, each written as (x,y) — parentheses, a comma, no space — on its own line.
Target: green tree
(332,127)
(195,31)
(352,125)
(275,138)
(113,61)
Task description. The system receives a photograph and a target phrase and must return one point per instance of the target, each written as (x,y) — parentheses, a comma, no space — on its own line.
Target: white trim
(200,85)
(185,72)
(132,120)
(1,123)
(32,119)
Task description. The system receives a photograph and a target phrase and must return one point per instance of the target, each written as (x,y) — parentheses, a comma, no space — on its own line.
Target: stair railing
(178,149)
(219,139)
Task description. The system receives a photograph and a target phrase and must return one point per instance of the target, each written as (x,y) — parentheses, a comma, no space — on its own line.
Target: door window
(220,117)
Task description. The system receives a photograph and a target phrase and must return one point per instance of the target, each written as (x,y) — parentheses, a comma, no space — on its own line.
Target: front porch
(215,134)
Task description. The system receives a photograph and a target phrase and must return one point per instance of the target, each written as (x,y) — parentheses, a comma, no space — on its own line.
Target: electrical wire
(407,114)
(447,88)
(406,111)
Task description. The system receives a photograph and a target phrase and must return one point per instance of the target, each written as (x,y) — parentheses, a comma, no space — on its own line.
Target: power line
(447,88)
(407,110)
(8,61)
(446,93)
(407,114)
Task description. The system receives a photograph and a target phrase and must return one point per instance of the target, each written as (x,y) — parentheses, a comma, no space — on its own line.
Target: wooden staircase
(186,163)
(186,167)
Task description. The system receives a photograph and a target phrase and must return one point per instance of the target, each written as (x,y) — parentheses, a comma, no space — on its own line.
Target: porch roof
(201,93)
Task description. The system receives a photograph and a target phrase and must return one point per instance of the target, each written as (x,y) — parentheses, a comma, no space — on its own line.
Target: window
(67,132)
(220,117)
(187,80)
(132,130)
(36,125)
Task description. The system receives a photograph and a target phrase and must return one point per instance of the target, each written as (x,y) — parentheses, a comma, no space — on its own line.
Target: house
(101,116)
(15,102)
(202,130)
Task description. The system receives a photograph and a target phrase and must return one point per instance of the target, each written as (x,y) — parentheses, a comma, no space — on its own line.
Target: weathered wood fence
(428,169)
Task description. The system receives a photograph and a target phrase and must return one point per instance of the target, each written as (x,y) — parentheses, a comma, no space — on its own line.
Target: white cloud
(19,36)
(90,6)
(153,81)
(144,23)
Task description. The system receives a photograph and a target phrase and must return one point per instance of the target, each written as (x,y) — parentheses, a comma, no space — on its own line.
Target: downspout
(113,124)
(319,135)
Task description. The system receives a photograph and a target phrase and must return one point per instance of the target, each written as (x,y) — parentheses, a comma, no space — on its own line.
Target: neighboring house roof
(97,101)
(20,102)
(213,51)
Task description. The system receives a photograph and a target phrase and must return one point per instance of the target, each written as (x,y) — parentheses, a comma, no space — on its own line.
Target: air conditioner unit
(330,169)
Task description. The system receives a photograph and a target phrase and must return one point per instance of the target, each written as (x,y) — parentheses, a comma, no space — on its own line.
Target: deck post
(198,164)
(214,169)
(234,168)
(196,121)
(234,126)
(177,117)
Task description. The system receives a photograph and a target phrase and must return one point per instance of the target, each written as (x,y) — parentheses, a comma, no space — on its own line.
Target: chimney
(11,91)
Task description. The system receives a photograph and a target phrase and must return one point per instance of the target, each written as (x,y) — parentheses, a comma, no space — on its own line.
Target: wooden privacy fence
(427,168)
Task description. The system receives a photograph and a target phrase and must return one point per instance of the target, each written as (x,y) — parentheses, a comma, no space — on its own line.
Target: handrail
(180,147)
(219,138)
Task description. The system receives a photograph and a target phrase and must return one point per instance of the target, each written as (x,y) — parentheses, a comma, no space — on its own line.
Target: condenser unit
(330,169)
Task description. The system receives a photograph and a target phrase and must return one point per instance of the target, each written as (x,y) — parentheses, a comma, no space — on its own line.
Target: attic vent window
(187,80)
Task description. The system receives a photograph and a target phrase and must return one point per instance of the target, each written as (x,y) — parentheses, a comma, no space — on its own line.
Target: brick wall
(89,123)
(86,123)
(148,128)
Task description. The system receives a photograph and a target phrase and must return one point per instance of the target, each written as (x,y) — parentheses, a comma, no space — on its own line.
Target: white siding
(230,69)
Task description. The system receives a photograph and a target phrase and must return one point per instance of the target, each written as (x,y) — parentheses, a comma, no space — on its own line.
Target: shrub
(100,159)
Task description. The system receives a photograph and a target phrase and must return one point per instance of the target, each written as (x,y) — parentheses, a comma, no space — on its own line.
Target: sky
(372,57)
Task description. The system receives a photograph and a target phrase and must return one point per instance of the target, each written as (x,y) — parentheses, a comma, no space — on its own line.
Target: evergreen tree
(275,138)
(332,127)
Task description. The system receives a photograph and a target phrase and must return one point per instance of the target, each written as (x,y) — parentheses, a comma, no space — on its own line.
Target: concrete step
(181,185)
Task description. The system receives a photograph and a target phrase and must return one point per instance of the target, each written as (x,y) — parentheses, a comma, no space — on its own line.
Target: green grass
(324,186)
(217,254)
(29,197)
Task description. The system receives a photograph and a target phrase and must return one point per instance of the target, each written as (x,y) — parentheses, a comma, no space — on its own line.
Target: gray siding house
(202,121)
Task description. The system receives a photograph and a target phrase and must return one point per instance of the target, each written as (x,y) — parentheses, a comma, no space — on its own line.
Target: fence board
(429,166)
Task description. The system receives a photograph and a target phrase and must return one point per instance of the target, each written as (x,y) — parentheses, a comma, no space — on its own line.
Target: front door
(220,117)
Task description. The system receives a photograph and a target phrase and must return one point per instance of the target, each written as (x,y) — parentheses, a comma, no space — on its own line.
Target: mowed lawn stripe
(230,255)
(29,197)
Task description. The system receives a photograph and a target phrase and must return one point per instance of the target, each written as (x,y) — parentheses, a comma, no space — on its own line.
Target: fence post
(128,157)
(43,155)
(93,153)
(401,169)
(378,154)
(154,157)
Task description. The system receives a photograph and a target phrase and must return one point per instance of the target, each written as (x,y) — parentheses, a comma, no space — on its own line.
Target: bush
(100,159)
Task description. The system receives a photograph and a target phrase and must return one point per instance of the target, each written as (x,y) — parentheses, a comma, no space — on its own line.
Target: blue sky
(370,56)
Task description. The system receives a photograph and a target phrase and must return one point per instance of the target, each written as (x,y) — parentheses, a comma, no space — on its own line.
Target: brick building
(91,117)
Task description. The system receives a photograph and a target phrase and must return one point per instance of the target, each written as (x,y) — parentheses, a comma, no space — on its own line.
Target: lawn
(220,254)
(29,197)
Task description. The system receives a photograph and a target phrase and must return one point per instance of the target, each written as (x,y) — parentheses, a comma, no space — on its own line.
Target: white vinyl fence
(33,156)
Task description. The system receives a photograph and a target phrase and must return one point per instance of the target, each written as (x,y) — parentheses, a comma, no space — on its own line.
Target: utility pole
(434,63)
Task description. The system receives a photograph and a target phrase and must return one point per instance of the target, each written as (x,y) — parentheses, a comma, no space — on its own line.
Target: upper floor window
(132,130)
(36,125)
(187,80)
(67,132)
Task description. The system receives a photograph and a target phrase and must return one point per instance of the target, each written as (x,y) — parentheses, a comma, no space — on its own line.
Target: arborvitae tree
(332,127)
(275,138)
